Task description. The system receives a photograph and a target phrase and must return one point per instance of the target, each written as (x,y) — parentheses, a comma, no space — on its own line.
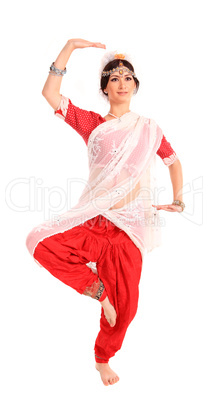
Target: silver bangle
(180,203)
(55,74)
(56,70)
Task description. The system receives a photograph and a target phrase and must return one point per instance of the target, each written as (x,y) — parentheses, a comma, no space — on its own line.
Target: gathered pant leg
(118,263)
(65,256)
(120,268)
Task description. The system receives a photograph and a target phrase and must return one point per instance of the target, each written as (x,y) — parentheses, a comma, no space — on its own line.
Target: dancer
(98,246)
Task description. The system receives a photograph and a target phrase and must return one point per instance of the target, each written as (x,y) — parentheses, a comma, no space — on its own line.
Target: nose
(121,82)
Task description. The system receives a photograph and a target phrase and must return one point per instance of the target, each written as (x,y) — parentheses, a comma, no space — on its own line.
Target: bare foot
(107,375)
(109,311)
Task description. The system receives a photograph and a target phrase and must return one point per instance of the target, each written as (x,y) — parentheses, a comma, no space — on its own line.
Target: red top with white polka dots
(84,122)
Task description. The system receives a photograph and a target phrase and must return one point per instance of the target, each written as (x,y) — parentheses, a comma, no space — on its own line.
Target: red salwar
(118,263)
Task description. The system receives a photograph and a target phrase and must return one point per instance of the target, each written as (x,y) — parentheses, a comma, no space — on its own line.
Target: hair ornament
(110,56)
(119,56)
(120,69)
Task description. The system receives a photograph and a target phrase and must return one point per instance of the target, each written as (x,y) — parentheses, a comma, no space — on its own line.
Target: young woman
(98,246)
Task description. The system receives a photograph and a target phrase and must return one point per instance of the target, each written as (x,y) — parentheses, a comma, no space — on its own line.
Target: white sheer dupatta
(121,156)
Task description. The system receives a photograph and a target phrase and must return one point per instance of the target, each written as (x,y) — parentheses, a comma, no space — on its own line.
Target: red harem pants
(118,263)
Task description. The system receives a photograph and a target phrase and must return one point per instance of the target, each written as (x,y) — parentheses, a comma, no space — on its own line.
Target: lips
(122,93)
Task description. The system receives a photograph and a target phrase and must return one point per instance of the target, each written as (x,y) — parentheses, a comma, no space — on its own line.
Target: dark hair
(110,66)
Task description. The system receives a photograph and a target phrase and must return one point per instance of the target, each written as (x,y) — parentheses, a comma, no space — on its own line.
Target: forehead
(115,74)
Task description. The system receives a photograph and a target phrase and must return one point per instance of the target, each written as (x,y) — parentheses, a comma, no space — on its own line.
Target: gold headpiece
(120,57)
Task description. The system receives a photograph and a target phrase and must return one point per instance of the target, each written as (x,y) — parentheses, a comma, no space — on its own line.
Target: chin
(123,98)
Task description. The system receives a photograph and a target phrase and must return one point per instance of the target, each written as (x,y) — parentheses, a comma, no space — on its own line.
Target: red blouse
(84,122)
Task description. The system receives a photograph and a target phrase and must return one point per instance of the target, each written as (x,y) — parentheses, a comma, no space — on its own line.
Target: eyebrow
(126,75)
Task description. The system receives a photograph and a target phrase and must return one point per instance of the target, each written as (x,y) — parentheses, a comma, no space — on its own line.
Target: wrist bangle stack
(180,203)
(56,71)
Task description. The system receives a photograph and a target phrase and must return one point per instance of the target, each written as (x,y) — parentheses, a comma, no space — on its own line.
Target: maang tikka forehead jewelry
(120,69)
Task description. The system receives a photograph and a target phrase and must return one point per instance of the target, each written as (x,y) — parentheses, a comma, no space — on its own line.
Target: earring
(106,93)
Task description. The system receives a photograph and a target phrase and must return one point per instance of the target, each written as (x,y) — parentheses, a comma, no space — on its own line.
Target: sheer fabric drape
(121,183)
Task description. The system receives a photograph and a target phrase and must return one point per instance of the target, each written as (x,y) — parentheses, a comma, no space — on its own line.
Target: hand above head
(82,43)
(51,89)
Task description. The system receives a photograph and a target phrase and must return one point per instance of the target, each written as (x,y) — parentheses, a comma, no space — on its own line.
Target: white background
(47,329)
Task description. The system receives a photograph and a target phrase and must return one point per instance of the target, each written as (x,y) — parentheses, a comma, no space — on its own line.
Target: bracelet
(56,70)
(55,74)
(180,203)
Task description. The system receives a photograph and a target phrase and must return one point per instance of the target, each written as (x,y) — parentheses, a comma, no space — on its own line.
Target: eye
(128,78)
(114,79)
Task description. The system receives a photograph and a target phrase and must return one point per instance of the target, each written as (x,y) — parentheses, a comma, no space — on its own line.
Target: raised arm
(51,89)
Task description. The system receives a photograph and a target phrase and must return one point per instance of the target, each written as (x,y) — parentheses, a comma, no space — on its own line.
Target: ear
(105,92)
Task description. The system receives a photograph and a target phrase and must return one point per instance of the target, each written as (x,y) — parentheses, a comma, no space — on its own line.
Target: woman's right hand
(82,43)
(51,89)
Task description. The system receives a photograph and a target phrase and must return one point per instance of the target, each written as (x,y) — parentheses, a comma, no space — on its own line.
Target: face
(120,88)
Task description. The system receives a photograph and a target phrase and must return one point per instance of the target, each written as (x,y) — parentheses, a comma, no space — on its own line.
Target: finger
(174,208)
(87,43)
(98,44)
(165,208)
(160,206)
(155,206)
(171,209)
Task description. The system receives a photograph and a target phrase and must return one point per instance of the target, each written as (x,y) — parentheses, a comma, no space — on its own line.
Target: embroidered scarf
(121,156)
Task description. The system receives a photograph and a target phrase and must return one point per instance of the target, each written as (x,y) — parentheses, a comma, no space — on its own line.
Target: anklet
(100,291)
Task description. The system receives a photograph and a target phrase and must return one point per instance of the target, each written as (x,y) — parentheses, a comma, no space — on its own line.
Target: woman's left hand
(169,207)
